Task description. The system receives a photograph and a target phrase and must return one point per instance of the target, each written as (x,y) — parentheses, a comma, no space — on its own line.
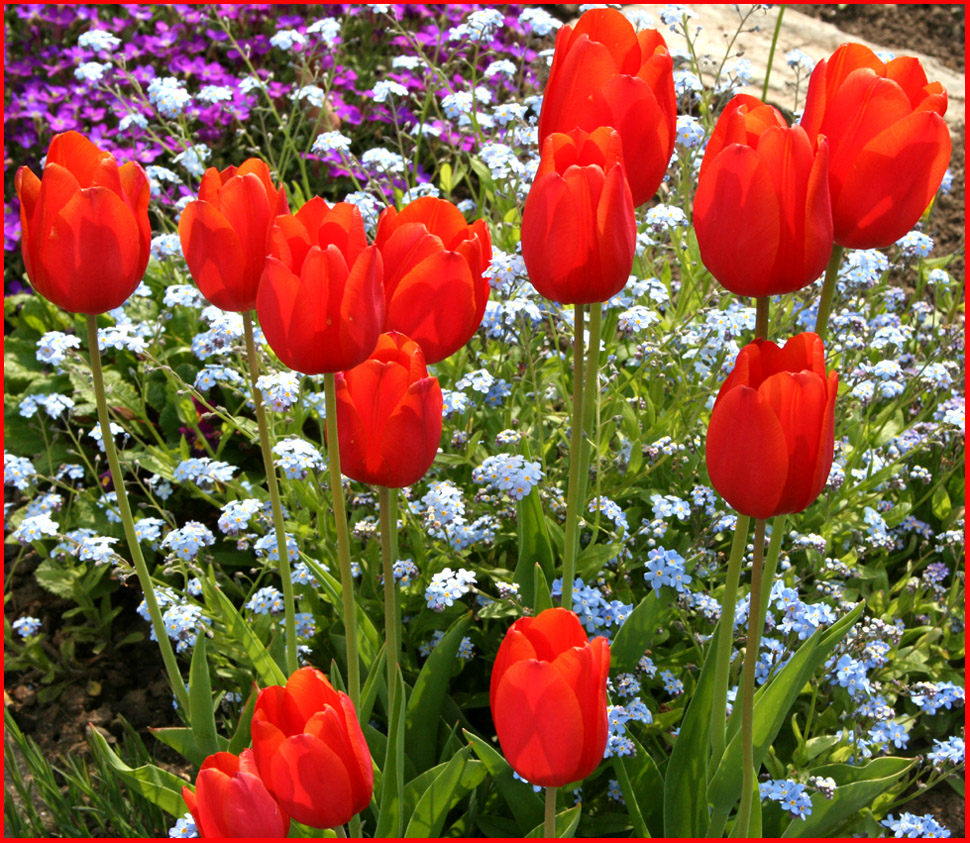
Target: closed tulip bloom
(548,698)
(434,261)
(224,233)
(389,415)
(889,144)
(604,73)
(578,227)
(772,431)
(310,750)
(86,235)
(320,301)
(230,799)
(761,212)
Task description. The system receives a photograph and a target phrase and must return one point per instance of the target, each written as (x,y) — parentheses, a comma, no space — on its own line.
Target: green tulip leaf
(566,823)
(640,782)
(542,597)
(525,804)
(390,821)
(201,715)
(534,547)
(459,777)
(637,632)
(242,737)
(181,739)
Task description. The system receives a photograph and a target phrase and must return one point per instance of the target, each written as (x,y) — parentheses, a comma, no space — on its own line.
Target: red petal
(214,255)
(76,153)
(554,631)
(311,782)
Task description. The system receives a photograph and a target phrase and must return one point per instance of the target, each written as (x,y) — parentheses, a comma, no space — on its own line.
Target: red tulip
(604,73)
(578,226)
(433,264)
(230,799)
(888,142)
(761,212)
(86,235)
(320,301)
(772,431)
(548,698)
(224,232)
(310,750)
(389,415)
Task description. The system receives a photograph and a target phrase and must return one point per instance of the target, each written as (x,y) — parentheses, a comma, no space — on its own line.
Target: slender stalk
(828,290)
(771,51)
(549,827)
(289,602)
(141,569)
(571,539)
(343,542)
(755,617)
(725,639)
(338,830)
(771,562)
(388,526)
(761,318)
(591,397)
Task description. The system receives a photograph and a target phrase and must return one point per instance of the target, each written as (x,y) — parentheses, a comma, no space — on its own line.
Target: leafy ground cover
(380,105)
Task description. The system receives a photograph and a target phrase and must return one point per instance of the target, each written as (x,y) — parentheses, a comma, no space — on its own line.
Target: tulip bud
(604,73)
(548,698)
(86,234)
(771,437)
(389,415)
(889,145)
(434,289)
(320,301)
(761,212)
(578,226)
(224,232)
(230,799)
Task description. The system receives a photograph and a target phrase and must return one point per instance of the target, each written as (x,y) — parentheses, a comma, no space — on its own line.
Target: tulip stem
(338,830)
(343,542)
(725,639)
(392,652)
(761,318)
(571,538)
(282,551)
(828,290)
(771,562)
(771,52)
(117,479)
(755,618)
(591,395)
(549,828)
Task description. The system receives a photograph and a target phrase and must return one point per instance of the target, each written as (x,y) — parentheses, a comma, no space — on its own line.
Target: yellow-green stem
(571,538)
(141,569)
(591,396)
(289,602)
(725,639)
(755,617)
(343,542)
(771,51)
(828,291)
(549,827)
(761,317)
(771,563)
(388,527)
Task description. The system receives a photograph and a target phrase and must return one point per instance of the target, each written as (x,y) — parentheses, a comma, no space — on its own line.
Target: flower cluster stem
(289,601)
(571,539)
(828,291)
(141,569)
(549,826)
(343,542)
(725,638)
(755,618)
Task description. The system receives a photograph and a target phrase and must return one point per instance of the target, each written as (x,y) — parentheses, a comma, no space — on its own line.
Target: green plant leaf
(242,736)
(181,739)
(640,782)
(566,823)
(542,598)
(637,632)
(525,804)
(201,715)
(459,776)
(391,815)
(428,695)
(534,546)
(158,786)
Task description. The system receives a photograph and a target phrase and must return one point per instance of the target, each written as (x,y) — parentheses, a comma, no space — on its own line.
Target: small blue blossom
(509,473)
(950,751)
(193,159)
(204,472)
(26,626)
(405,571)
(265,601)
(168,95)
(913,825)
(35,528)
(53,346)
(297,458)
(184,827)
(17,471)
(790,795)
(266,546)
(447,586)
(187,541)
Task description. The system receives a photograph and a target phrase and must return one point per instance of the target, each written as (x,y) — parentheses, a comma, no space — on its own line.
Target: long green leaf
(566,823)
(158,786)
(685,803)
(856,788)
(542,597)
(525,804)
(460,775)
(771,705)
(534,546)
(637,632)
(391,817)
(640,782)
(424,707)
(181,739)
(242,736)
(201,716)
(368,639)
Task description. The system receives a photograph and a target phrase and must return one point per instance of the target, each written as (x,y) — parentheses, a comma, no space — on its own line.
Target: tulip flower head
(761,212)
(578,226)
(389,415)
(771,436)
(320,301)
(889,145)
(86,234)
(604,73)
(310,750)
(434,261)
(230,799)
(224,232)
(548,698)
